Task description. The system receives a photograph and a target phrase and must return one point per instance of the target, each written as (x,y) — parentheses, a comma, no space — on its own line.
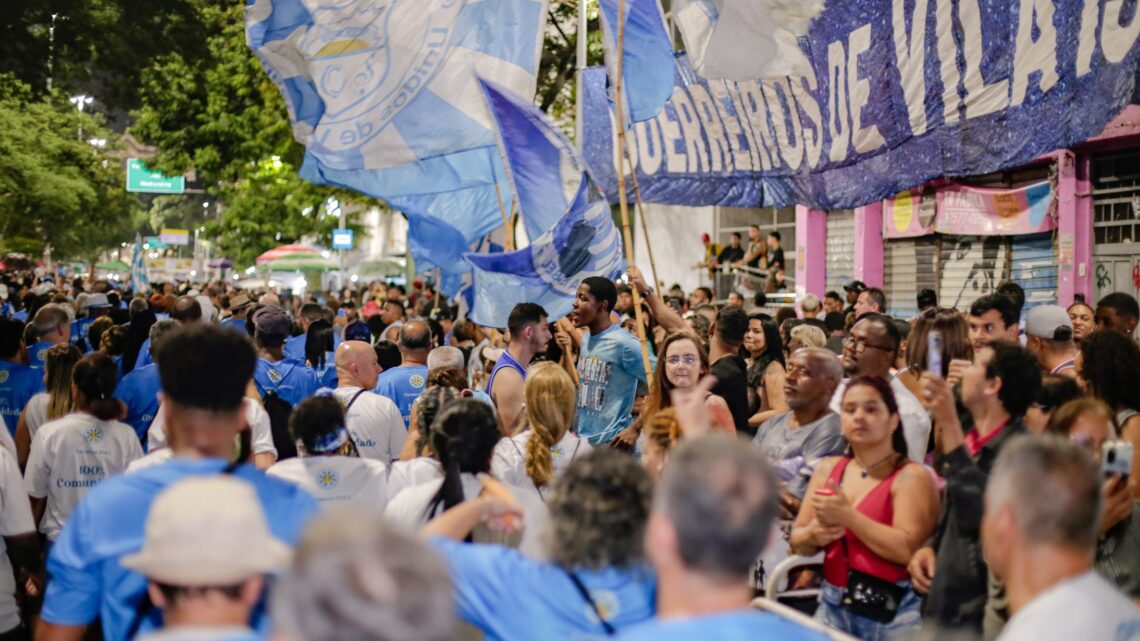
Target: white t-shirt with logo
(35,414)
(407,510)
(69,456)
(15,519)
(1083,607)
(508,464)
(255,415)
(6,441)
(338,480)
(374,423)
(405,474)
(157,457)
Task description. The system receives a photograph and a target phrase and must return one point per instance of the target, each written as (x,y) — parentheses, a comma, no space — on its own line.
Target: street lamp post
(55,17)
(81,102)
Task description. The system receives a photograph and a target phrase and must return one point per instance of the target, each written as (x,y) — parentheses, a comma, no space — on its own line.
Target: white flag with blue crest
(384,94)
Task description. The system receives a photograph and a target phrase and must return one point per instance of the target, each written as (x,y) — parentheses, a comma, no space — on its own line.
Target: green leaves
(56,187)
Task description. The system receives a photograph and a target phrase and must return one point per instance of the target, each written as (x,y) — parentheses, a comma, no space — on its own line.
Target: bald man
(270,299)
(374,422)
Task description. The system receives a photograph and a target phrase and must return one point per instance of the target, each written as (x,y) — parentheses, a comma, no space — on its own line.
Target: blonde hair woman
(547,444)
(55,402)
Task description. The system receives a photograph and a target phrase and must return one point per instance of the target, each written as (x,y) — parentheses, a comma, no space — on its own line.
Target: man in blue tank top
(530,335)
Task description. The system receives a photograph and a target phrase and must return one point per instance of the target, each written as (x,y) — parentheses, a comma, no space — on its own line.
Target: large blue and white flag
(140,282)
(384,94)
(442,227)
(584,243)
(647,63)
(546,172)
(746,39)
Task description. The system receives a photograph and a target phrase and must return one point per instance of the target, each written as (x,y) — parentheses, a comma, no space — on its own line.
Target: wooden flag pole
(508,237)
(641,215)
(622,200)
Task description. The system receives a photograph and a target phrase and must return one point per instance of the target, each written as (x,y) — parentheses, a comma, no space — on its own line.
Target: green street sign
(141,179)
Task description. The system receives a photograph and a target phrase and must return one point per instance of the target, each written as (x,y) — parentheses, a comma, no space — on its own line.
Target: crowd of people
(199,462)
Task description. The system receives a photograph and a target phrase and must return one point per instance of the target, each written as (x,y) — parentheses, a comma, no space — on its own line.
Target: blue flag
(547,173)
(443,226)
(584,243)
(647,63)
(384,94)
(140,282)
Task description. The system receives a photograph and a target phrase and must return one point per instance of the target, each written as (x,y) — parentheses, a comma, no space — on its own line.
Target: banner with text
(963,210)
(899,92)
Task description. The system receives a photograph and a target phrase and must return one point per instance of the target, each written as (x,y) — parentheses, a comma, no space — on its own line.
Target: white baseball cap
(1050,322)
(207,531)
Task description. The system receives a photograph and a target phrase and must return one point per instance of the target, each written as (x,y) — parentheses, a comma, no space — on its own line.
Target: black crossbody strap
(353,400)
(589,599)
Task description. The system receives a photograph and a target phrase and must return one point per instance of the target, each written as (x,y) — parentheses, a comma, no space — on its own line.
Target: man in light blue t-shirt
(204,372)
(18,382)
(403,384)
(140,388)
(609,367)
(719,498)
(291,379)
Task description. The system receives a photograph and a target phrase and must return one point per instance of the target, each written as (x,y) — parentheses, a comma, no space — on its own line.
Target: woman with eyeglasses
(683,363)
(1090,423)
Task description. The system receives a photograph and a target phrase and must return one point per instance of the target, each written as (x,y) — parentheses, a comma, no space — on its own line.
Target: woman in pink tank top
(869,511)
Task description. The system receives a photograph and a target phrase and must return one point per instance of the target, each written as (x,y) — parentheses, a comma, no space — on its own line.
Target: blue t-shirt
(403,385)
(139,390)
(237,324)
(295,346)
(291,379)
(510,596)
(144,358)
(609,369)
(18,383)
(740,625)
(37,354)
(87,580)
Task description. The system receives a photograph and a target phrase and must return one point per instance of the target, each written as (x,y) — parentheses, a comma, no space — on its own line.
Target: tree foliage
(55,187)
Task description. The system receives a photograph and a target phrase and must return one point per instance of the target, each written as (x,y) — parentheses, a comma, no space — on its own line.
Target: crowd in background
(197,461)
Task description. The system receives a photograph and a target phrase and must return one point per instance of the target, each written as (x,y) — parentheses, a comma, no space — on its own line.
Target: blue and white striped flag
(648,62)
(140,282)
(584,243)
(546,172)
(384,94)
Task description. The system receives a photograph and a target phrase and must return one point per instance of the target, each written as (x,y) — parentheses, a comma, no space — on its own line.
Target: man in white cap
(1049,337)
(206,551)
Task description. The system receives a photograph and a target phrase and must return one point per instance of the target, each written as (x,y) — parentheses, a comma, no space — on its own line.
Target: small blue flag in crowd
(647,62)
(140,282)
(384,94)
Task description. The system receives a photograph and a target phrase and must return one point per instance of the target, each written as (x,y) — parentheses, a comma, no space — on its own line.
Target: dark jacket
(957,597)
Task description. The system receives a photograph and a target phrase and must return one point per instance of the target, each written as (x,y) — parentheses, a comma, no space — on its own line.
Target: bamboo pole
(622,200)
(641,214)
(508,237)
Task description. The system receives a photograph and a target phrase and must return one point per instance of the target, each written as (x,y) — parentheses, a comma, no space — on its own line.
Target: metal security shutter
(1034,267)
(908,266)
(840,249)
(971,267)
(1116,223)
